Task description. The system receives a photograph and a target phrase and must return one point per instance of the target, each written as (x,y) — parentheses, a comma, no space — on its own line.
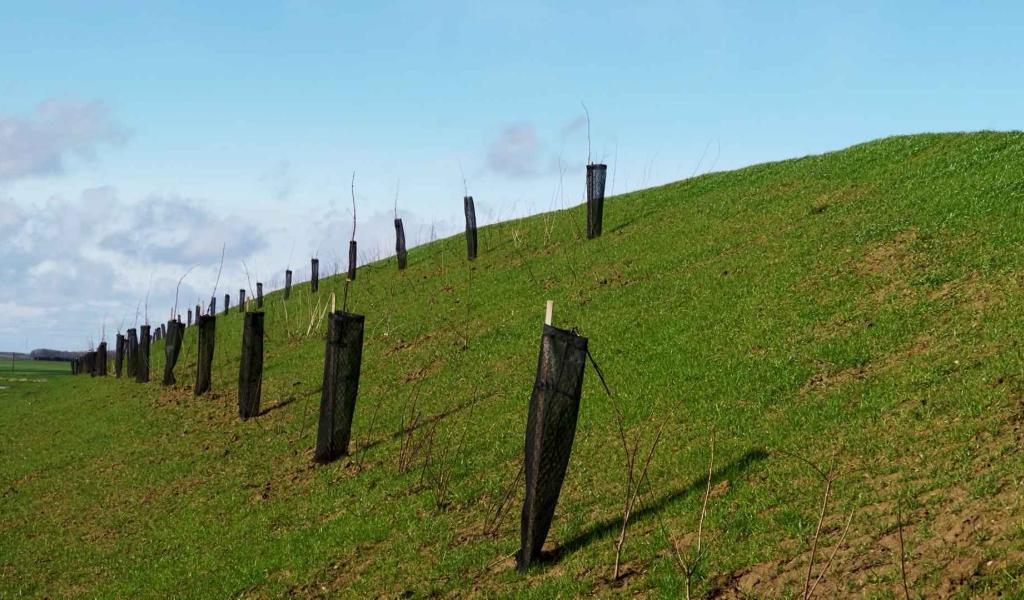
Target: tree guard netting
(172,349)
(314,275)
(190,317)
(287,284)
(227,303)
(470,227)
(142,372)
(596,175)
(118,355)
(259,295)
(250,369)
(352,260)
(90,363)
(132,352)
(241,301)
(342,358)
(400,250)
(101,359)
(213,305)
(204,367)
(550,430)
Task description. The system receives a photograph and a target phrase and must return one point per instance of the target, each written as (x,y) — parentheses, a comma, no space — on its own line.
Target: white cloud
(516,152)
(73,266)
(41,143)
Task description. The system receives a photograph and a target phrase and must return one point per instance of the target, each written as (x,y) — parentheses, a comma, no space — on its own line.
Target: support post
(342,359)
(118,355)
(470,210)
(204,367)
(132,354)
(250,369)
(259,295)
(596,175)
(400,250)
(172,349)
(287,283)
(550,430)
(314,275)
(352,260)
(101,359)
(142,375)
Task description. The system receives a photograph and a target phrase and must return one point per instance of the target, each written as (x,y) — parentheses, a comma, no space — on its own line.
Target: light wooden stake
(549,312)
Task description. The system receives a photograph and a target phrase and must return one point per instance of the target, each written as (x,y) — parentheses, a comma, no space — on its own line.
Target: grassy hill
(857,313)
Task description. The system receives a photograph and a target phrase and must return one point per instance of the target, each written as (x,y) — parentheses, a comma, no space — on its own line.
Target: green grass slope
(861,309)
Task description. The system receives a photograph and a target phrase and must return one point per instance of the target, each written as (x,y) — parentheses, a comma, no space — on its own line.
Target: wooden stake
(549,312)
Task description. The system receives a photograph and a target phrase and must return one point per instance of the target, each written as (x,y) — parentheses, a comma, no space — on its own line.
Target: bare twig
(814,540)
(398,186)
(252,294)
(588,130)
(631,504)
(832,556)
(219,269)
(903,552)
(465,186)
(707,494)
(353,238)
(176,290)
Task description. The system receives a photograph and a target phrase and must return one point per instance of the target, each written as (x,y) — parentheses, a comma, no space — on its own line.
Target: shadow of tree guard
(613,525)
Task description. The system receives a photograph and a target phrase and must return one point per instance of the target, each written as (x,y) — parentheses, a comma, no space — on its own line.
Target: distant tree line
(48,354)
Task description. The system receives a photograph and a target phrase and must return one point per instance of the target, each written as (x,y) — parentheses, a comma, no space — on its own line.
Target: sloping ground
(860,309)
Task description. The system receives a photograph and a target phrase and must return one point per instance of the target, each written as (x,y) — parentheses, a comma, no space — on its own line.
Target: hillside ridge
(851,317)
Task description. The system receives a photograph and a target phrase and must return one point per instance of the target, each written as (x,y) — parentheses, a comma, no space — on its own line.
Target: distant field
(857,313)
(24,373)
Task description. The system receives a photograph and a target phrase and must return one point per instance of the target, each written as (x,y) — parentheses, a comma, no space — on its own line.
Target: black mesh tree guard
(596,175)
(400,251)
(199,311)
(142,373)
(132,353)
(550,430)
(101,359)
(250,368)
(190,317)
(90,363)
(314,275)
(213,306)
(207,326)
(470,209)
(172,350)
(343,356)
(74,366)
(352,260)
(259,295)
(241,300)
(118,354)
(287,283)
(227,303)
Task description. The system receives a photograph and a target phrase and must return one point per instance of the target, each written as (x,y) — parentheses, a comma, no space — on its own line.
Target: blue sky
(241,123)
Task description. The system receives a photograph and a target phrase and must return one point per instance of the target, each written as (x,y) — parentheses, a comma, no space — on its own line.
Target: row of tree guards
(554,402)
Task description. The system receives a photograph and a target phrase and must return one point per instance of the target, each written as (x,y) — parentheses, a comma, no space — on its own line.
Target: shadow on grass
(609,526)
(421,423)
(281,404)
